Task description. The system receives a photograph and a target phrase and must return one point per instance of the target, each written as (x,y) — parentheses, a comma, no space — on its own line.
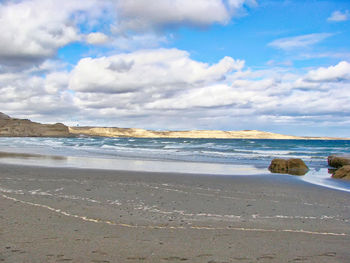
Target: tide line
(113,223)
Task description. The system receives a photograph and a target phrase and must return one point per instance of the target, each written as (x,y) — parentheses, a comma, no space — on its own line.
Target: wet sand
(77,215)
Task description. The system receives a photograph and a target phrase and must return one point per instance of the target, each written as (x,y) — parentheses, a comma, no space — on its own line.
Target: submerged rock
(290,166)
(338,161)
(342,173)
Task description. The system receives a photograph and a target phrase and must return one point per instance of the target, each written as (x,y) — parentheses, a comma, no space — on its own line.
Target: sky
(278,66)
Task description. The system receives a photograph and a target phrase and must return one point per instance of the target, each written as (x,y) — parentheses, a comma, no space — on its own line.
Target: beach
(84,215)
(174,131)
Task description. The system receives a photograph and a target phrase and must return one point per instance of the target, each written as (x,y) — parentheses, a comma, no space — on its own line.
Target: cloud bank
(166,69)
(135,82)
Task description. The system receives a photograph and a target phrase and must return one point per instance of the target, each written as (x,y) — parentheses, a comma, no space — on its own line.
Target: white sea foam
(194,227)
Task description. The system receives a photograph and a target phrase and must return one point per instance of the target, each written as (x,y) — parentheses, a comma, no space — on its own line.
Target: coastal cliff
(11,127)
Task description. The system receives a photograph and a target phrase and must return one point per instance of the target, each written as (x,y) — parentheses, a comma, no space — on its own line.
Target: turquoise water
(217,156)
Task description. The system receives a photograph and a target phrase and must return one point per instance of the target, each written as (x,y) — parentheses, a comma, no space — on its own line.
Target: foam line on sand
(113,223)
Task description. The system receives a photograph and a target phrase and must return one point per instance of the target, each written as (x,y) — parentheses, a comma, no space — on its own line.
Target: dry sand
(76,215)
(142,133)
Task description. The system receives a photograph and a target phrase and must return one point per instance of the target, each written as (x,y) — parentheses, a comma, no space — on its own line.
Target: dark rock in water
(332,170)
(338,161)
(342,166)
(342,173)
(289,166)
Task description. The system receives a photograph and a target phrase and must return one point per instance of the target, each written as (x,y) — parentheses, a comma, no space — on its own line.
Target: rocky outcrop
(290,166)
(4,116)
(338,161)
(10,127)
(342,173)
(342,165)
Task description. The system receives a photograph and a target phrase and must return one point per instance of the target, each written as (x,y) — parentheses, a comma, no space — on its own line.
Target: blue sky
(279,66)
(248,36)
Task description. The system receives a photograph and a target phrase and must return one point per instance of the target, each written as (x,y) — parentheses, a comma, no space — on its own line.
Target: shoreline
(234,137)
(85,215)
(284,137)
(318,177)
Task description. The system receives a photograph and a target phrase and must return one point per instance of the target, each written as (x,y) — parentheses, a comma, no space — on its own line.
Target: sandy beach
(77,215)
(208,131)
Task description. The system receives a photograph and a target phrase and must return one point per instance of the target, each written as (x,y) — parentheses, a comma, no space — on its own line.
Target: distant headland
(12,127)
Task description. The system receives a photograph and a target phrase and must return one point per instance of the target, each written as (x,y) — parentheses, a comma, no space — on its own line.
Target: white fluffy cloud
(35,29)
(143,14)
(96,38)
(30,94)
(339,72)
(167,69)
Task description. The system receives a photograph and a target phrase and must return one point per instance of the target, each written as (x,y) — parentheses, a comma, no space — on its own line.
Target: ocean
(230,157)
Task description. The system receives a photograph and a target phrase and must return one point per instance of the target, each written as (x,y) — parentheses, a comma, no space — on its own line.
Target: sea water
(208,156)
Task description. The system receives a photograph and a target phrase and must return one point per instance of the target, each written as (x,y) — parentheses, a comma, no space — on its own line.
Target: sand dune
(141,133)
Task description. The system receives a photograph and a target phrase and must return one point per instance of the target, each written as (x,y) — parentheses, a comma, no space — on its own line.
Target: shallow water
(208,156)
